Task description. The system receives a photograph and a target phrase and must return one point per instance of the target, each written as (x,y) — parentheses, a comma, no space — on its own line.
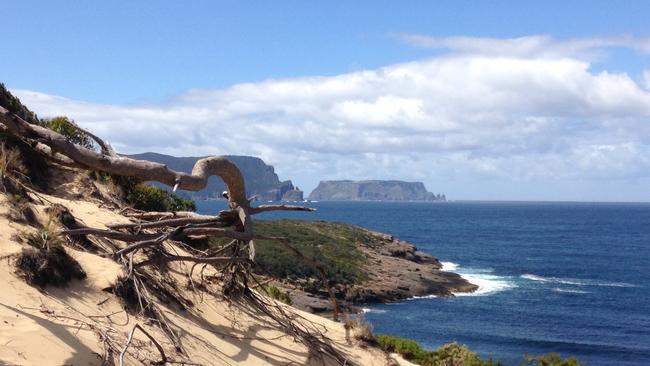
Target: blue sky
(358,89)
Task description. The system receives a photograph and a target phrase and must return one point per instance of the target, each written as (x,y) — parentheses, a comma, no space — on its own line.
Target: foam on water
(370,310)
(422,297)
(487,284)
(484,278)
(557,289)
(574,281)
(448,266)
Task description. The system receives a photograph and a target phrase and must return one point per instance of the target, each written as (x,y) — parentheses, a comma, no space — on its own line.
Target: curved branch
(145,170)
(105,147)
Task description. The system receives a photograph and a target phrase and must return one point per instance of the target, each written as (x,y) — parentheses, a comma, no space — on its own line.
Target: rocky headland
(365,266)
(373,190)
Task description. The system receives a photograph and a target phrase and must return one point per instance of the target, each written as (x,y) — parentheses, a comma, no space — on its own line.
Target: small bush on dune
(150,198)
(51,266)
(47,262)
(361,330)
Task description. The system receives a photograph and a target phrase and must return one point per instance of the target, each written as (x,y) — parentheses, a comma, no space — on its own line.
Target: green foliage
(552,359)
(277,294)
(13,105)
(149,198)
(68,128)
(408,348)
(451,354)
(332,245)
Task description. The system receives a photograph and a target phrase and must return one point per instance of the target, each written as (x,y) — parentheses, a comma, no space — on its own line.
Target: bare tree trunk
(141,169)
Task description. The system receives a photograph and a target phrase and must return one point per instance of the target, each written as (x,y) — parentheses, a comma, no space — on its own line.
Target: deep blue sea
(571,278)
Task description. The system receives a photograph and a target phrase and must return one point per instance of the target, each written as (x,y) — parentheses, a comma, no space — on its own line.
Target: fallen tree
(149,234)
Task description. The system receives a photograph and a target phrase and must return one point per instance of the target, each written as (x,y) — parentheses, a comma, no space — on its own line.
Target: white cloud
(528,46)
(502,115)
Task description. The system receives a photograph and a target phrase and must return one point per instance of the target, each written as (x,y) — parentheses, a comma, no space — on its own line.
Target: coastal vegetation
(453,354)
(332,246)
(69,129)
(277,294)
(149,198)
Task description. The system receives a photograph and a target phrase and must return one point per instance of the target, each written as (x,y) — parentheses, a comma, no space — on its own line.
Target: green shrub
(451,354)
(13,105)
(68,128)
(150,198)
(277,294)
(331,245)
(408,348)
(552,359)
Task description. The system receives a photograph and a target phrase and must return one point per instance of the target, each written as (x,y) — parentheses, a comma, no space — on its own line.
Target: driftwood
(151,230)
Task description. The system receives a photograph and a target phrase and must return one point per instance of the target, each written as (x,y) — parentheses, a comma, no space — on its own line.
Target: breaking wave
(487,282)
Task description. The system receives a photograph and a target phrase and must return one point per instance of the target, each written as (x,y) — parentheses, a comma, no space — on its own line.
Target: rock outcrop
(372,190)
(261,179)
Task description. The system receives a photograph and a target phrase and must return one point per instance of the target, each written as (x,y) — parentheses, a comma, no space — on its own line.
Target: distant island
(373,190)
(261,179)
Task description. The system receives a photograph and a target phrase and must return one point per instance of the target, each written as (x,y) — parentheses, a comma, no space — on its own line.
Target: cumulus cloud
(508,115)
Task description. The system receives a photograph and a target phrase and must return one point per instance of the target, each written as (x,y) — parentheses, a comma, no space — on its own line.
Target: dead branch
(153,340)
(105,147)
(212,220)
(111,234)
(141,169)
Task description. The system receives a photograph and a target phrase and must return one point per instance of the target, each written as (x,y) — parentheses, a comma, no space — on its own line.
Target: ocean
(571,278)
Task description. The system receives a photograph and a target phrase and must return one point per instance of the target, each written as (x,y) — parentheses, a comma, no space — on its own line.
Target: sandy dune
(63,326)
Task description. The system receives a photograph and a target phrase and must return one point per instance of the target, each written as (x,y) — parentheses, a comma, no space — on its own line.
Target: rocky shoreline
(396,270)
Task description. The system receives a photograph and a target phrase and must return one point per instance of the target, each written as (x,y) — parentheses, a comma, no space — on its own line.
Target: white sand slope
(60,326)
